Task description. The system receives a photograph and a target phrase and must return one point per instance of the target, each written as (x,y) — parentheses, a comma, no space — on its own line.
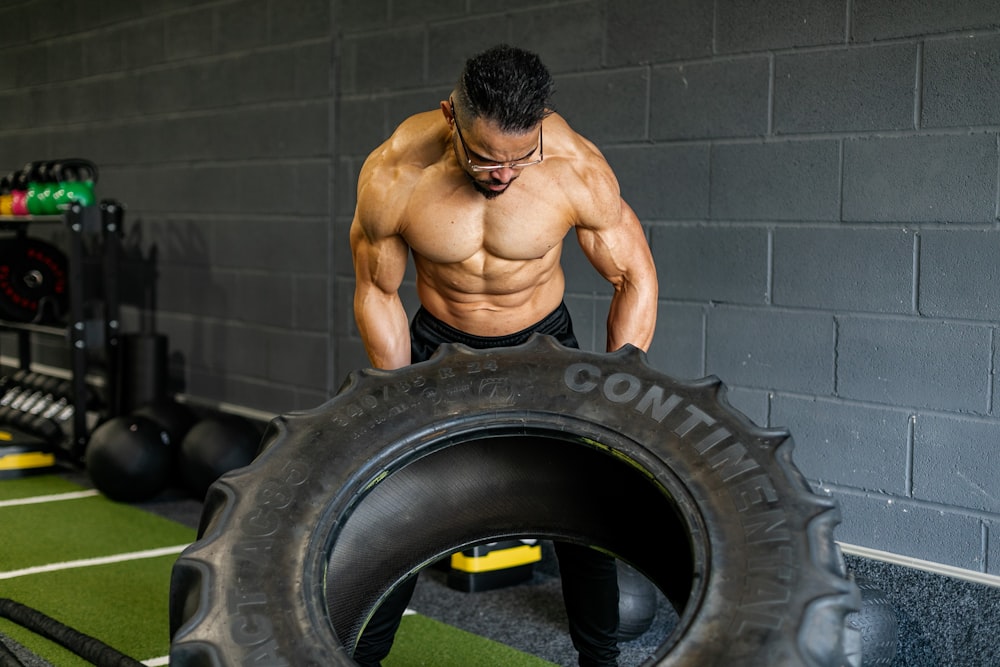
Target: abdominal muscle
(500,298)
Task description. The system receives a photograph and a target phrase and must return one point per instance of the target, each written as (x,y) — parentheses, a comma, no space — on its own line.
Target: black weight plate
(33,281)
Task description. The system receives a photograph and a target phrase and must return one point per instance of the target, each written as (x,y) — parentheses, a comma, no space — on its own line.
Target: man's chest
(453,229)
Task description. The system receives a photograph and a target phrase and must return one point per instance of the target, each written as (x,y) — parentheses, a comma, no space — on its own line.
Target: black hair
(508,86)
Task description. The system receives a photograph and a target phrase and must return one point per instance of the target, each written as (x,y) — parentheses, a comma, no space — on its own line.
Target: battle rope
(85,646)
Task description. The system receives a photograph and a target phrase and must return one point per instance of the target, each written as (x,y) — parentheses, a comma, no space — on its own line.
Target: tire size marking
(369,411)
(767,589)
(249,621)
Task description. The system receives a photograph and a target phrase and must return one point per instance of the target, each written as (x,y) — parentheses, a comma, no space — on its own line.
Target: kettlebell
(41,184)
(5,196)
(76,177)
(19,193)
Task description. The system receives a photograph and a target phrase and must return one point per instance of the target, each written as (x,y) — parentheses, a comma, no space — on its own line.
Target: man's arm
(379,264)
(612,238)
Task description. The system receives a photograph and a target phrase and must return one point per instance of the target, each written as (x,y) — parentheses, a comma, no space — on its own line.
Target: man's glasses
(485,165)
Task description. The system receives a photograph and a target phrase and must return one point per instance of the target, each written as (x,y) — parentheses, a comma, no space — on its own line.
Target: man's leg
(376,640)
(590,591)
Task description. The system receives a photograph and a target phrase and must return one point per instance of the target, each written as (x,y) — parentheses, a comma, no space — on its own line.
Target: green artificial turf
(124,604)
(424,642)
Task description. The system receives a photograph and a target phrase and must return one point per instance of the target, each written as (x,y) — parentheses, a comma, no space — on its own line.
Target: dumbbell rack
(94,233)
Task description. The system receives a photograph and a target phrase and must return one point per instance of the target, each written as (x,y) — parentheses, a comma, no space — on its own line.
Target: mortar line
(769,286)
(848,10)
(770,94)
(993,369)
(918,86)
(910,438)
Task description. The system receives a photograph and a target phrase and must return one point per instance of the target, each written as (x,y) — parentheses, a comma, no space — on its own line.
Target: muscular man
(483,193)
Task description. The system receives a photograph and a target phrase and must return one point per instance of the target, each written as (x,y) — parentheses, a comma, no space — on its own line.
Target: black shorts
(428,332)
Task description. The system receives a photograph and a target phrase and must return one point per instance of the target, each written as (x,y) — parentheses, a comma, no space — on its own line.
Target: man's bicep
(379,262)
(615,242)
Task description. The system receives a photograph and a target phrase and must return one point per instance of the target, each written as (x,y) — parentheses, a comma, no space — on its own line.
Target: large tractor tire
(403,467)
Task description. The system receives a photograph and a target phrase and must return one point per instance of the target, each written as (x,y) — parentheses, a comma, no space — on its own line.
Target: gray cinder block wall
(210,122)
(819,182)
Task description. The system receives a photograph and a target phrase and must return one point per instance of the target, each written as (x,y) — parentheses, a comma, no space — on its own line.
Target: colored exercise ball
(128,458)
(214,446)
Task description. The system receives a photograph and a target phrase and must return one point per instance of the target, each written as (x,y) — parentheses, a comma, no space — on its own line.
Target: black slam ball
(636,603)
(128,458)
(214,446)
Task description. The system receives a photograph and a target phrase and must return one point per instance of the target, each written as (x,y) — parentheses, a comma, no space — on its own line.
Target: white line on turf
(34,500)
(90,562)
(157,662)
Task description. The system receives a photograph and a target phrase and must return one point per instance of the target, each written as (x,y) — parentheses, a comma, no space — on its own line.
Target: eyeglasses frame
(480,168)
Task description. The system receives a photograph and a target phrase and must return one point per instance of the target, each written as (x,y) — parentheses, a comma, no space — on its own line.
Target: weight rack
(102,225)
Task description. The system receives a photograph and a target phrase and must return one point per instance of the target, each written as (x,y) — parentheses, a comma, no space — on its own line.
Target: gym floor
(942,621)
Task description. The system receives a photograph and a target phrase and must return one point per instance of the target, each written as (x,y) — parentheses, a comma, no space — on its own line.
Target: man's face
(494,159)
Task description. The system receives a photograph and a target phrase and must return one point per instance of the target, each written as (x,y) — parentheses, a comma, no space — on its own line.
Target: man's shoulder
(416,140)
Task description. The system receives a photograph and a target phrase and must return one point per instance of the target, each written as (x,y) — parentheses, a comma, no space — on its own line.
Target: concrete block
(710,100)
(845,90)
(568,38)
(306,19)
(110,12)
(266,245)
(861,446)
(663,182)
(754,404)
(298,359)
(190,34)
(30,64)
(356,15)
(913,362)
(51,19)
(238,350)
(195,291)
(920,179)
(370,66)
(844,269)
(678,347)
(144,44)
(581,276)
(15,113)
(757,25)
(590,317)
(418,11)
(264,298)
(909,529)
(954,462)
(958,277)
(455,42)
(586,323)
(770,349)
(360,126)
(795,180)
(65,58)
(241,26)
(888,19)
(961,84)
(647,32)
(592,103)
(717,264)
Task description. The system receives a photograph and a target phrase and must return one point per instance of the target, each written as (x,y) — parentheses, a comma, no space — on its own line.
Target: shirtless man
(483,192)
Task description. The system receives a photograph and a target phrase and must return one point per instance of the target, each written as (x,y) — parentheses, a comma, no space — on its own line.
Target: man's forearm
(384,331)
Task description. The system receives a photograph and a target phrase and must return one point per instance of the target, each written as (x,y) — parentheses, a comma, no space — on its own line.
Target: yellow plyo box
(493,565)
